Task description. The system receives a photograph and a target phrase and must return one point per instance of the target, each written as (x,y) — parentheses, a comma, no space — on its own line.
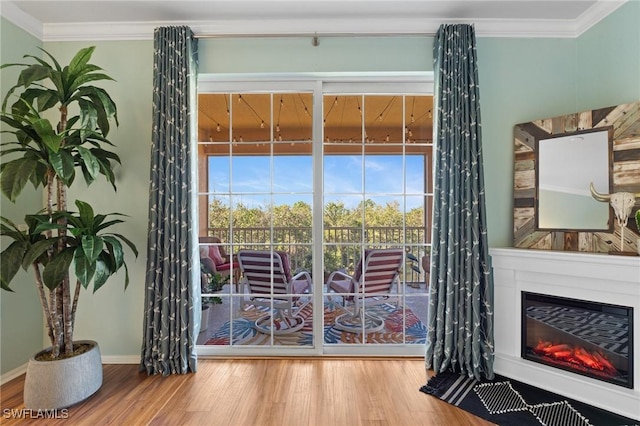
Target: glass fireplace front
(588,338)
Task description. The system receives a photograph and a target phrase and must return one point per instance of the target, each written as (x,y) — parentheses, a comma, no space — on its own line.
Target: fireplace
(593,277)
(584,337)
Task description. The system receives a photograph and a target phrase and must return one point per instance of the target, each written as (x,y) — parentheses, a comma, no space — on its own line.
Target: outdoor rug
(241,331)
(505,401)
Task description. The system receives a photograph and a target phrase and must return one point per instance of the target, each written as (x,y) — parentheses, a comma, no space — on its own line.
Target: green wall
(609,60)
(346,54)
(520,80)
(21,330)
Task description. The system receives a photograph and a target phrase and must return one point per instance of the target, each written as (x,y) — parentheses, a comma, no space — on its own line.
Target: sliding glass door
(299,179)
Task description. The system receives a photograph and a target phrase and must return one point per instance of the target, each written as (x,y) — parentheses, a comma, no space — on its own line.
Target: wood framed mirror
(621,125)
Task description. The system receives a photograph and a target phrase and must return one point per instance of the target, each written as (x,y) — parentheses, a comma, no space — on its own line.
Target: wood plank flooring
(260,392)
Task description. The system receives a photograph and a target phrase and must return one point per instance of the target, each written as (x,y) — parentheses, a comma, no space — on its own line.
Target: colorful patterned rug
(245,334)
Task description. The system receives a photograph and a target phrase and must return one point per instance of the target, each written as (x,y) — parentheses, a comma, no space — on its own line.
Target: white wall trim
(23,20)
(596,13)
(121,359)
(109,359)
(12,374)
(523,28)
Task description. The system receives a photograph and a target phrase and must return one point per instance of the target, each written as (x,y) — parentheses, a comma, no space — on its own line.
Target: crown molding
(521,28)
(596,13)
(15,15)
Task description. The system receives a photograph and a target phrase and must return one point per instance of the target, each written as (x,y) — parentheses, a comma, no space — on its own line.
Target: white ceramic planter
(57,384)
(204,318)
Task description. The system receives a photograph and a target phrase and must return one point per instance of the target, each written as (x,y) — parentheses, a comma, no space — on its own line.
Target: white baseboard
(121,359)
(109,359)
(12,374)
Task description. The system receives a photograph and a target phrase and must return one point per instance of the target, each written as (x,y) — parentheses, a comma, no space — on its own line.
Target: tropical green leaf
(129,243)
(47,99)
(86,78)
(8,96)
(86,213)
(115,250)
(10,261)
(55,62)
(10,229)
(101,97)
(58,268)
(92,247)
(87,176)
(89,118)
(45,130)
(36,250)
(24,104)
(106,170)
(84,268)
(126,276)
(103,272)
(105,155)
(33,73)
(15,176)
(39,176)
(80,60)
(105,225)
(63,164)
(71,121)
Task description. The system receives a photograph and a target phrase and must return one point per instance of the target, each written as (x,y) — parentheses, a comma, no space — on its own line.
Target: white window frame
(320,84)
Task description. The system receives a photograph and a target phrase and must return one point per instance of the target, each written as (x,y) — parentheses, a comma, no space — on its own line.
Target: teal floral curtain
(460,320)
(170,325)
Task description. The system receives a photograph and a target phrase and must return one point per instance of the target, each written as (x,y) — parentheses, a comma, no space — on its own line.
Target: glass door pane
(255,192)
(375,207)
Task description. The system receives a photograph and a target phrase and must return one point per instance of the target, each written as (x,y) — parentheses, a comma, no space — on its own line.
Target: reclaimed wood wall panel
(624,120)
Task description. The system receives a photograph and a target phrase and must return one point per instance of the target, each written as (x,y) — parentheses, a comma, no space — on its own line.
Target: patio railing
(342,245)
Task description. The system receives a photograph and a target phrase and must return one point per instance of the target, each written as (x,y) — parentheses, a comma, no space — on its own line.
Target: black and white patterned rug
(507,402)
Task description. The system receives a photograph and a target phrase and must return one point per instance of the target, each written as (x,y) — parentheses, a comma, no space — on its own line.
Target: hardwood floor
(291,391)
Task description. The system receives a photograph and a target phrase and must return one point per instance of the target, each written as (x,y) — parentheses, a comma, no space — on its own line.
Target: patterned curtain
(460,329)
(170,324)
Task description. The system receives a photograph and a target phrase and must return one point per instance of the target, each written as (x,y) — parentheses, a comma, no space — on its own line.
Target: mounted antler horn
(598,196)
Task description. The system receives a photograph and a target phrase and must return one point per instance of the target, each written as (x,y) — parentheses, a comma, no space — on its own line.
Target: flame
(575,355)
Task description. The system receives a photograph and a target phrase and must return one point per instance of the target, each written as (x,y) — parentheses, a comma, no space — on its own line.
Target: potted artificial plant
(211,283)
(64,241)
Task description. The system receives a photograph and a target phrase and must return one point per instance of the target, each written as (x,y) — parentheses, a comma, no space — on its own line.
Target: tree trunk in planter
(61,383)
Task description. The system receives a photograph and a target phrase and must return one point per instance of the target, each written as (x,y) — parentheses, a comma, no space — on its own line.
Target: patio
(221,314)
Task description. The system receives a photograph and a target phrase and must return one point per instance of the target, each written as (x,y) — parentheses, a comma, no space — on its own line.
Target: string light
(336,119)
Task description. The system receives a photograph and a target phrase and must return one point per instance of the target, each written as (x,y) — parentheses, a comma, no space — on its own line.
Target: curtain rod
(309,35)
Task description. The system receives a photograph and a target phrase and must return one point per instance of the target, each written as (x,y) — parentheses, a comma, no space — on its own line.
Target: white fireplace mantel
(585,276)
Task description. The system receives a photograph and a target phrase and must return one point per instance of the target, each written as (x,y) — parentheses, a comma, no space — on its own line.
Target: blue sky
(292,178)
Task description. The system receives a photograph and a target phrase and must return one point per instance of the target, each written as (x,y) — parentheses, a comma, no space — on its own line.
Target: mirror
(566,167)
(536,221)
